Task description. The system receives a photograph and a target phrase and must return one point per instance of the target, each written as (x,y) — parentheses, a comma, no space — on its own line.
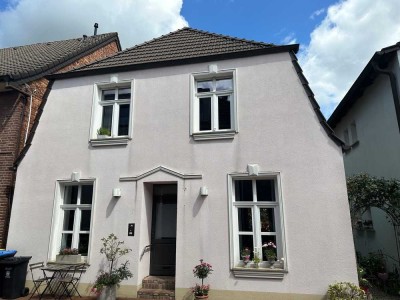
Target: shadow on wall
(198,204)
(111,206)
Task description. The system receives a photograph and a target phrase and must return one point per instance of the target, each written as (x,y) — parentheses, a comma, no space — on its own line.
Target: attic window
(214,105)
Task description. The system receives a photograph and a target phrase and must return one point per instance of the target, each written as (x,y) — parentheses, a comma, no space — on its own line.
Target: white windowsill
(110,141)
(215,135)
(259,272)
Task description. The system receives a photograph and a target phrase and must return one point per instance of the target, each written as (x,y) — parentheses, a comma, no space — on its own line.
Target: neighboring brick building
(22,97)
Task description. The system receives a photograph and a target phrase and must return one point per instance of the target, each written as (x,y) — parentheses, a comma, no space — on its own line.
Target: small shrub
(344,291)
(103,131)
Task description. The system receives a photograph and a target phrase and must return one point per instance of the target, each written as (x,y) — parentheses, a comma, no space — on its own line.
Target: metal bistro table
(60,271)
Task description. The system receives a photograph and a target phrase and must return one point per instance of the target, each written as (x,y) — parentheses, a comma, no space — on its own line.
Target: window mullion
(114,124)
(77,219)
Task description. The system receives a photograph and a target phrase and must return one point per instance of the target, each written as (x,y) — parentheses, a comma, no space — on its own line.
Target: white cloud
(344,42)
(317,13)
(31,21)
(289,39)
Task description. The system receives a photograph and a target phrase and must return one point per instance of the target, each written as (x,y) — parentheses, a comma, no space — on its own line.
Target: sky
(337,37)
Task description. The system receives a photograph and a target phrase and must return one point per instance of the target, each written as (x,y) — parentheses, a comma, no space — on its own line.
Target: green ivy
(366,191)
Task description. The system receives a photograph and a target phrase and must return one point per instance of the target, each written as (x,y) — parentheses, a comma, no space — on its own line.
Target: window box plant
(108,280)
(68,256)
(245,256)
(103,133)
(270,252)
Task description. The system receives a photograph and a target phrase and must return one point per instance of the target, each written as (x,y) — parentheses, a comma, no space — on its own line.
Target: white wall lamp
(76,176)
(253,169)
(116,192)
(204,191)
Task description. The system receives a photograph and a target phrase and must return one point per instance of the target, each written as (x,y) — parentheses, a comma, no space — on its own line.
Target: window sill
(117,141)
(216,135)
(259,273)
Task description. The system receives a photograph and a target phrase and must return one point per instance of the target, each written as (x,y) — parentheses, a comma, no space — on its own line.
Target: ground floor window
(256,220)
(73,217)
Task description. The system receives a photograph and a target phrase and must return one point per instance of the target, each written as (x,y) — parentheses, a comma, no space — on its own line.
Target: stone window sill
(217,135)
(117,141)
(259,273)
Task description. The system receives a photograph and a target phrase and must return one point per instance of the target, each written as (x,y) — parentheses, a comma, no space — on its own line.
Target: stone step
(159,283)
(159,294)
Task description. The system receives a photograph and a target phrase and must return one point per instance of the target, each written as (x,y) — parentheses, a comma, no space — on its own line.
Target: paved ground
(379,295)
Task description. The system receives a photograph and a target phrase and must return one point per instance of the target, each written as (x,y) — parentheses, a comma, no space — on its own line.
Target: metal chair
(38,281)
(69,282)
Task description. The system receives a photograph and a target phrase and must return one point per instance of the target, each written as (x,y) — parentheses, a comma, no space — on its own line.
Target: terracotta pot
(201,297)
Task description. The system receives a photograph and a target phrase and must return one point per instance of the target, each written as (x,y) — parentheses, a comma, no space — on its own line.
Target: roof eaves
(363,80)
(57,65)
(166,63)
(314,103)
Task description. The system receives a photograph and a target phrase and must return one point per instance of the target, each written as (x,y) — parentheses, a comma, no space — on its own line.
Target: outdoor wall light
(116,192)
(204,191)
(253,169)
(76,176)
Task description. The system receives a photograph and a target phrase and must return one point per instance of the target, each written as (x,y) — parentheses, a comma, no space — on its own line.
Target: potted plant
(108,280)
(68,256)
(245,255)
(256,259)
(202,271)
(103,133)
(270,252)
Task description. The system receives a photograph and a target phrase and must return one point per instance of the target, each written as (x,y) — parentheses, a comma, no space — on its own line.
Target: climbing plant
(365,191)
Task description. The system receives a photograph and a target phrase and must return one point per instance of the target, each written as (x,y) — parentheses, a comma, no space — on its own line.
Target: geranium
(202,271)
(69,251)
(270,250)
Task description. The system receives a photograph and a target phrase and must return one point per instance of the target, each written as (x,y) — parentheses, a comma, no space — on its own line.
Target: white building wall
(376,154)
(278,130)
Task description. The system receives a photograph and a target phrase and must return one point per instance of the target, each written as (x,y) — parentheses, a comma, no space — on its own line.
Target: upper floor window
(112,114)
(214,106)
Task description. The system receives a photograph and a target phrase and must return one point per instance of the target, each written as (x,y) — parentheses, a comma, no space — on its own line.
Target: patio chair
(38,281)
(69,282)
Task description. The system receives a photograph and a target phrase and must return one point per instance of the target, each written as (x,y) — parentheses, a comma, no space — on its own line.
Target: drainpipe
(393,83)
(30,111)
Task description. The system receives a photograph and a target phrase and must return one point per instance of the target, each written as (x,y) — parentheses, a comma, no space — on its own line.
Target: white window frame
(214,133)
(58,217)
(235,263)
(97,113)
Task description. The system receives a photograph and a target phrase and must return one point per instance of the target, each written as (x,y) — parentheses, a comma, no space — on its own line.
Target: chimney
(95,28)
(84,37)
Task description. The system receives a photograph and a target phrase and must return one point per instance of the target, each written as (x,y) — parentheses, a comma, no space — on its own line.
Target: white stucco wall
(278,130)
(376,154)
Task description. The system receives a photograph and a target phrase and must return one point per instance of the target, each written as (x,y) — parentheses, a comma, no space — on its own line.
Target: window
(73,215)
(214,107)
(256,220)
(112,112)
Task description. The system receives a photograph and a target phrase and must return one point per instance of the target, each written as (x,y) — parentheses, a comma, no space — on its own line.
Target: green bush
(345,291)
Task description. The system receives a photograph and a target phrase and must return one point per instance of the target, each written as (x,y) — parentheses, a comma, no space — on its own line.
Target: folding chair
(38,281)
(69,282)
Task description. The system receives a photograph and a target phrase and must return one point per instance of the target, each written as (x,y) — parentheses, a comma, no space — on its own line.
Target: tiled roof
(24,62)
(185,43)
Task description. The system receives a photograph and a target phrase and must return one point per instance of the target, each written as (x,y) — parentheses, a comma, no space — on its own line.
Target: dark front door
(163,230)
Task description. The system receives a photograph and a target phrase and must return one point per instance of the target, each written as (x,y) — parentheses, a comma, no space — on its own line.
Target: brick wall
(14,116)
(11,114)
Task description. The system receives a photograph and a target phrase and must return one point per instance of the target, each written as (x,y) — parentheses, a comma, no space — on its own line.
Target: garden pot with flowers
(108,280)
(245,256)
(68,256)
(270,252)
(201,271)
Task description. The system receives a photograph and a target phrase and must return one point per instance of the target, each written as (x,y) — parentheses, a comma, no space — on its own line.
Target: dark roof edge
(112,38)
(122,68)
(314,103)
(5,78)
(34,126)
(361,82)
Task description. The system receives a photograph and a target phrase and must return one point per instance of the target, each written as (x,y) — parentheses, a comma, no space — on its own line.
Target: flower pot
(108,293)
(102,136)
(201,297)
(69,259)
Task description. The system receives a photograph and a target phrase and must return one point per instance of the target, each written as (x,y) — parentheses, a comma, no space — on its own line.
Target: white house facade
(211,149)
(368,120)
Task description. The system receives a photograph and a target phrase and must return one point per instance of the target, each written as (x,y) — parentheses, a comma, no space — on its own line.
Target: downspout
(30,111)
(393,83)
